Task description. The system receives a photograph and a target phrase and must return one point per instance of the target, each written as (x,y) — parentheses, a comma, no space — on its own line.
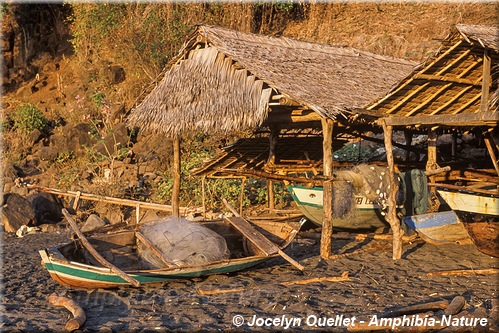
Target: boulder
(93,222)
(16,212)
(47,209)
(47,153)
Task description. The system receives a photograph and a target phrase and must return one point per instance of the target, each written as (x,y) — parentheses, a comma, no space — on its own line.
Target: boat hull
(70,265)
(479,213)
(309,201)
(439,228)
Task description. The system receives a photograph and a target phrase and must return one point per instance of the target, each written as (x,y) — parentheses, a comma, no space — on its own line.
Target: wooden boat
(71,264)
(477,207)
(438,228)
(309,201)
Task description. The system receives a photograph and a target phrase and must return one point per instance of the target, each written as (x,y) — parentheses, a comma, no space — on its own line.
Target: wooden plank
(255,237)
(490,147)
(96,254)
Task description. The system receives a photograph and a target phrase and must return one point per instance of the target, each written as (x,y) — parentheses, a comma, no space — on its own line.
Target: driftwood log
(79,316)
(344,277)
(489,271)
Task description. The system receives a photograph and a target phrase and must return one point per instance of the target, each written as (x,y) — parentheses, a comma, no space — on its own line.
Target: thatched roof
(222,81)
(447,89)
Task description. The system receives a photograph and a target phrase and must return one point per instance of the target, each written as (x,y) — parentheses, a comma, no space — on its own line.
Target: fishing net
(181,242)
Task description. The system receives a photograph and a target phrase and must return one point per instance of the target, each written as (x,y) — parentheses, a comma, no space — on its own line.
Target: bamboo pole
(391,216)
(79,316)
(327,224)
(96,254)
(484,103)
(110,200)
(270,185)
(176,177)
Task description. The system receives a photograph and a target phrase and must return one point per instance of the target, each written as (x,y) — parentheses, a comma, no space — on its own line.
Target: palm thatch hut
(455,88)
(224,81)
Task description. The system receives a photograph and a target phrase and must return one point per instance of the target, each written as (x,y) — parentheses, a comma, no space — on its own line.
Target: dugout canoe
(477,207)
(70,264)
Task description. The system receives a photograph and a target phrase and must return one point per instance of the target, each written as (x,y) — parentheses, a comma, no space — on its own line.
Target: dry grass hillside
(82,92)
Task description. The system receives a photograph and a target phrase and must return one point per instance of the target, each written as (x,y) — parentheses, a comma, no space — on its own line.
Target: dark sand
(378,284)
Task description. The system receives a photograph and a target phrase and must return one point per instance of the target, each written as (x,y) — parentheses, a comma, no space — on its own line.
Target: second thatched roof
(222,81)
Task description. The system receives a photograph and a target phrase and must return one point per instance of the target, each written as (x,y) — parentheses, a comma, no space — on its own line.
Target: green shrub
(28,117)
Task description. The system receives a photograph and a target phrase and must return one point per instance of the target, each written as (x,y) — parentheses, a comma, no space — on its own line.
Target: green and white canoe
(309,201)
(71,265)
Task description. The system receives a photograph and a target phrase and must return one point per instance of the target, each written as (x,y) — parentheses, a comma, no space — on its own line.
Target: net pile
(373,182)
(182,242)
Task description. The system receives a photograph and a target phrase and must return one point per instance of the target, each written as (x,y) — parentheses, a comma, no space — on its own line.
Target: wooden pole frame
(327,223)
(176,177)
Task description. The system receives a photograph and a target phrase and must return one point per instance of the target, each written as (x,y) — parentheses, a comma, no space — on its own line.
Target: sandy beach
(377,284)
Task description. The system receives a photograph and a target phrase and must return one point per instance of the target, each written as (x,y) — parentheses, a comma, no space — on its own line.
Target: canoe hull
(69,265)
(309,201)
(479,213)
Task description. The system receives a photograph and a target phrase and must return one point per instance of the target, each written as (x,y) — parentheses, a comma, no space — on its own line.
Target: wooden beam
(484,103)
(327,224)
(176,177)
(391,215)
(447,78)
(463,119)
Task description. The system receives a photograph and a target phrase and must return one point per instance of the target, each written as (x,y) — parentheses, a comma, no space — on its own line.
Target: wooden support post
(77,201)
(274,136)
(327,223)
(391,215)
(270,185)
(454,146)
(176,177)
(137,214)
(484,102)
(241,196)
(408,142)
(431,162)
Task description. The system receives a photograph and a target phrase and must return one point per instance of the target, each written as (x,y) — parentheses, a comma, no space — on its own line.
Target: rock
(148,216)
(117,137)
(72,138)
(47,153)
(16,212)
(47,208)
(115,74)
(111,213)
(93,222)
(35,136)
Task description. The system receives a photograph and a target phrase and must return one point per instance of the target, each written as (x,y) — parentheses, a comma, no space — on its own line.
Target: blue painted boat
(438,228)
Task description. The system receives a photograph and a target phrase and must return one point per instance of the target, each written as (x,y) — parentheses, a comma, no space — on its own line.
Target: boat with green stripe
(71,265)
